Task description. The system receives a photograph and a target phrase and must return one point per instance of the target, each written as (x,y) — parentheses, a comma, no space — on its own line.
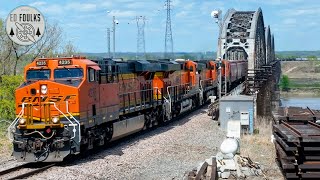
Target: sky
(294,23)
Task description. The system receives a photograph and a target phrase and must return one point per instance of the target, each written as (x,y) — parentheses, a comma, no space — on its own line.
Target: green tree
(8,84)
(285,83)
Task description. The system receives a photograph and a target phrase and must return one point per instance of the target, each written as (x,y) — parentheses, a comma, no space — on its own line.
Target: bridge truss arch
(243,36)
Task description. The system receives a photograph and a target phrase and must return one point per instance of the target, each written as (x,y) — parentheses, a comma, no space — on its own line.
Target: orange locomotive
(68,105)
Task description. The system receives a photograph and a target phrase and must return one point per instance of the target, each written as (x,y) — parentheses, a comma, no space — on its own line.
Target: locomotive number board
(41,63)
(64,62)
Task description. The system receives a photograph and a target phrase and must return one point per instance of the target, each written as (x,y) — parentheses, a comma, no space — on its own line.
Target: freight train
(69,105)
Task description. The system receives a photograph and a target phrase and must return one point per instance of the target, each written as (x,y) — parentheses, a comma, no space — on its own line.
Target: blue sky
(295,23)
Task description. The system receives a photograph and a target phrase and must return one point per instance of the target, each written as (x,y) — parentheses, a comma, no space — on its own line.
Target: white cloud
(302,11)
(276,2)
(38,3)
(290,21)
(208,6)
(175,3)
(182,14)
(51,9)
(80,6)
(119,13)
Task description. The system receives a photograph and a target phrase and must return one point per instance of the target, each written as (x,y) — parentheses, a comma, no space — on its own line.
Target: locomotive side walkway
(163,153)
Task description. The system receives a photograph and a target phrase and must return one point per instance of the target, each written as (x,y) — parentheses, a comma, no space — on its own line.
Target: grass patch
(5,143)
(304,85)
(260,148)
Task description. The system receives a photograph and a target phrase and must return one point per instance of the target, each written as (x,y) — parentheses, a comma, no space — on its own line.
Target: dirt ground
(260,149)
(301,70)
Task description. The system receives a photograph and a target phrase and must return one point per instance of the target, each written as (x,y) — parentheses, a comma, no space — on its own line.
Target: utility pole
(141,50)
(216,14)
(168,44)
(108,37)
(114,36)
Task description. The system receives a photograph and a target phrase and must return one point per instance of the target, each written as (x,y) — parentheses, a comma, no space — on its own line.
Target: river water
(311,102)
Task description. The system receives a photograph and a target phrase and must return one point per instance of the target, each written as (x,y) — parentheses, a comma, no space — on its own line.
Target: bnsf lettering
(46,99)
(68,97)
(55,99)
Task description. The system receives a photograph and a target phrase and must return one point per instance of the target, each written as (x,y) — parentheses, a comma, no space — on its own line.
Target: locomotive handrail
(201,88)
(161,93)
(135,92)
(21,113)
(9,129)
(169,98)
(74,129)
(67,108)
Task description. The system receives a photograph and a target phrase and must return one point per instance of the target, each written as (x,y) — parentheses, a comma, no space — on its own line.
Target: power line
(141,50)
(168,44)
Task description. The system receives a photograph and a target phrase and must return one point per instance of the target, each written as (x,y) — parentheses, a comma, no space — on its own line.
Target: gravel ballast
(163,153)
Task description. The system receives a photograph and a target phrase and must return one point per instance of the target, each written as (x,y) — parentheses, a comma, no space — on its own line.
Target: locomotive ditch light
(44,89)
(22,121)
(55,120)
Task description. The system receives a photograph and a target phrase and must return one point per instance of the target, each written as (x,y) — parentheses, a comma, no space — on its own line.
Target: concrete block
(219,156)
(229,164)
(219,165)
(225,175)
(228,156)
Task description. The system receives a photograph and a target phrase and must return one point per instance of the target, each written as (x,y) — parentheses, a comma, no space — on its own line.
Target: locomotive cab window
(67,73)
(39,74)
(91,75)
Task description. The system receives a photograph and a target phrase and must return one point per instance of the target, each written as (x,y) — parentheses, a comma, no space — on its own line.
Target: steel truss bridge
(244,36)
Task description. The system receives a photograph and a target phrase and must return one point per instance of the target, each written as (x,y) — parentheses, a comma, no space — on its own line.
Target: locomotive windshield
(39,74)
(68,73)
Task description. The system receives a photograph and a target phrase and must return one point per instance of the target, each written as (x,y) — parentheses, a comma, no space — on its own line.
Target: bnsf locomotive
(68,105)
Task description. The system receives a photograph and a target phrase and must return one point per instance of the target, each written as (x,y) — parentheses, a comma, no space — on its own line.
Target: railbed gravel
(166,152)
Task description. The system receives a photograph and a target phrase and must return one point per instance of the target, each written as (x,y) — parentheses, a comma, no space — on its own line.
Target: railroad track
(24,170)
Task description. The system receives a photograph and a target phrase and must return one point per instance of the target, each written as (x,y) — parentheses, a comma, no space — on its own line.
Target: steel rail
(27,174)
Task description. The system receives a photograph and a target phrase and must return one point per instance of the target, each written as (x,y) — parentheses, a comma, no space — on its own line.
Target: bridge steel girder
(269,51)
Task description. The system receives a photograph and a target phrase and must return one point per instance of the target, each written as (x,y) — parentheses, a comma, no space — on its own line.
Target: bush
(285,83)
(8,84)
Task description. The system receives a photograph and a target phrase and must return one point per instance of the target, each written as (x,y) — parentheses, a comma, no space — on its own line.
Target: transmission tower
(141,50)
(168,44)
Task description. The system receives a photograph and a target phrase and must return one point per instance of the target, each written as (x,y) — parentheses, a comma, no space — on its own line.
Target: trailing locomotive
(68,105)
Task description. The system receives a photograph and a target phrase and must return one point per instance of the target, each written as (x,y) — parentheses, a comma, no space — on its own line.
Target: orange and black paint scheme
(67,105)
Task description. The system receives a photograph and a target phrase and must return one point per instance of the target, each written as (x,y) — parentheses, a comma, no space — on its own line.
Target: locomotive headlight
(55,120)
(44,89)
(22,121)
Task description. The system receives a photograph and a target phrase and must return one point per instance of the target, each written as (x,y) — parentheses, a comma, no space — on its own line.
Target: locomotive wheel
(109,133)
(147,122)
